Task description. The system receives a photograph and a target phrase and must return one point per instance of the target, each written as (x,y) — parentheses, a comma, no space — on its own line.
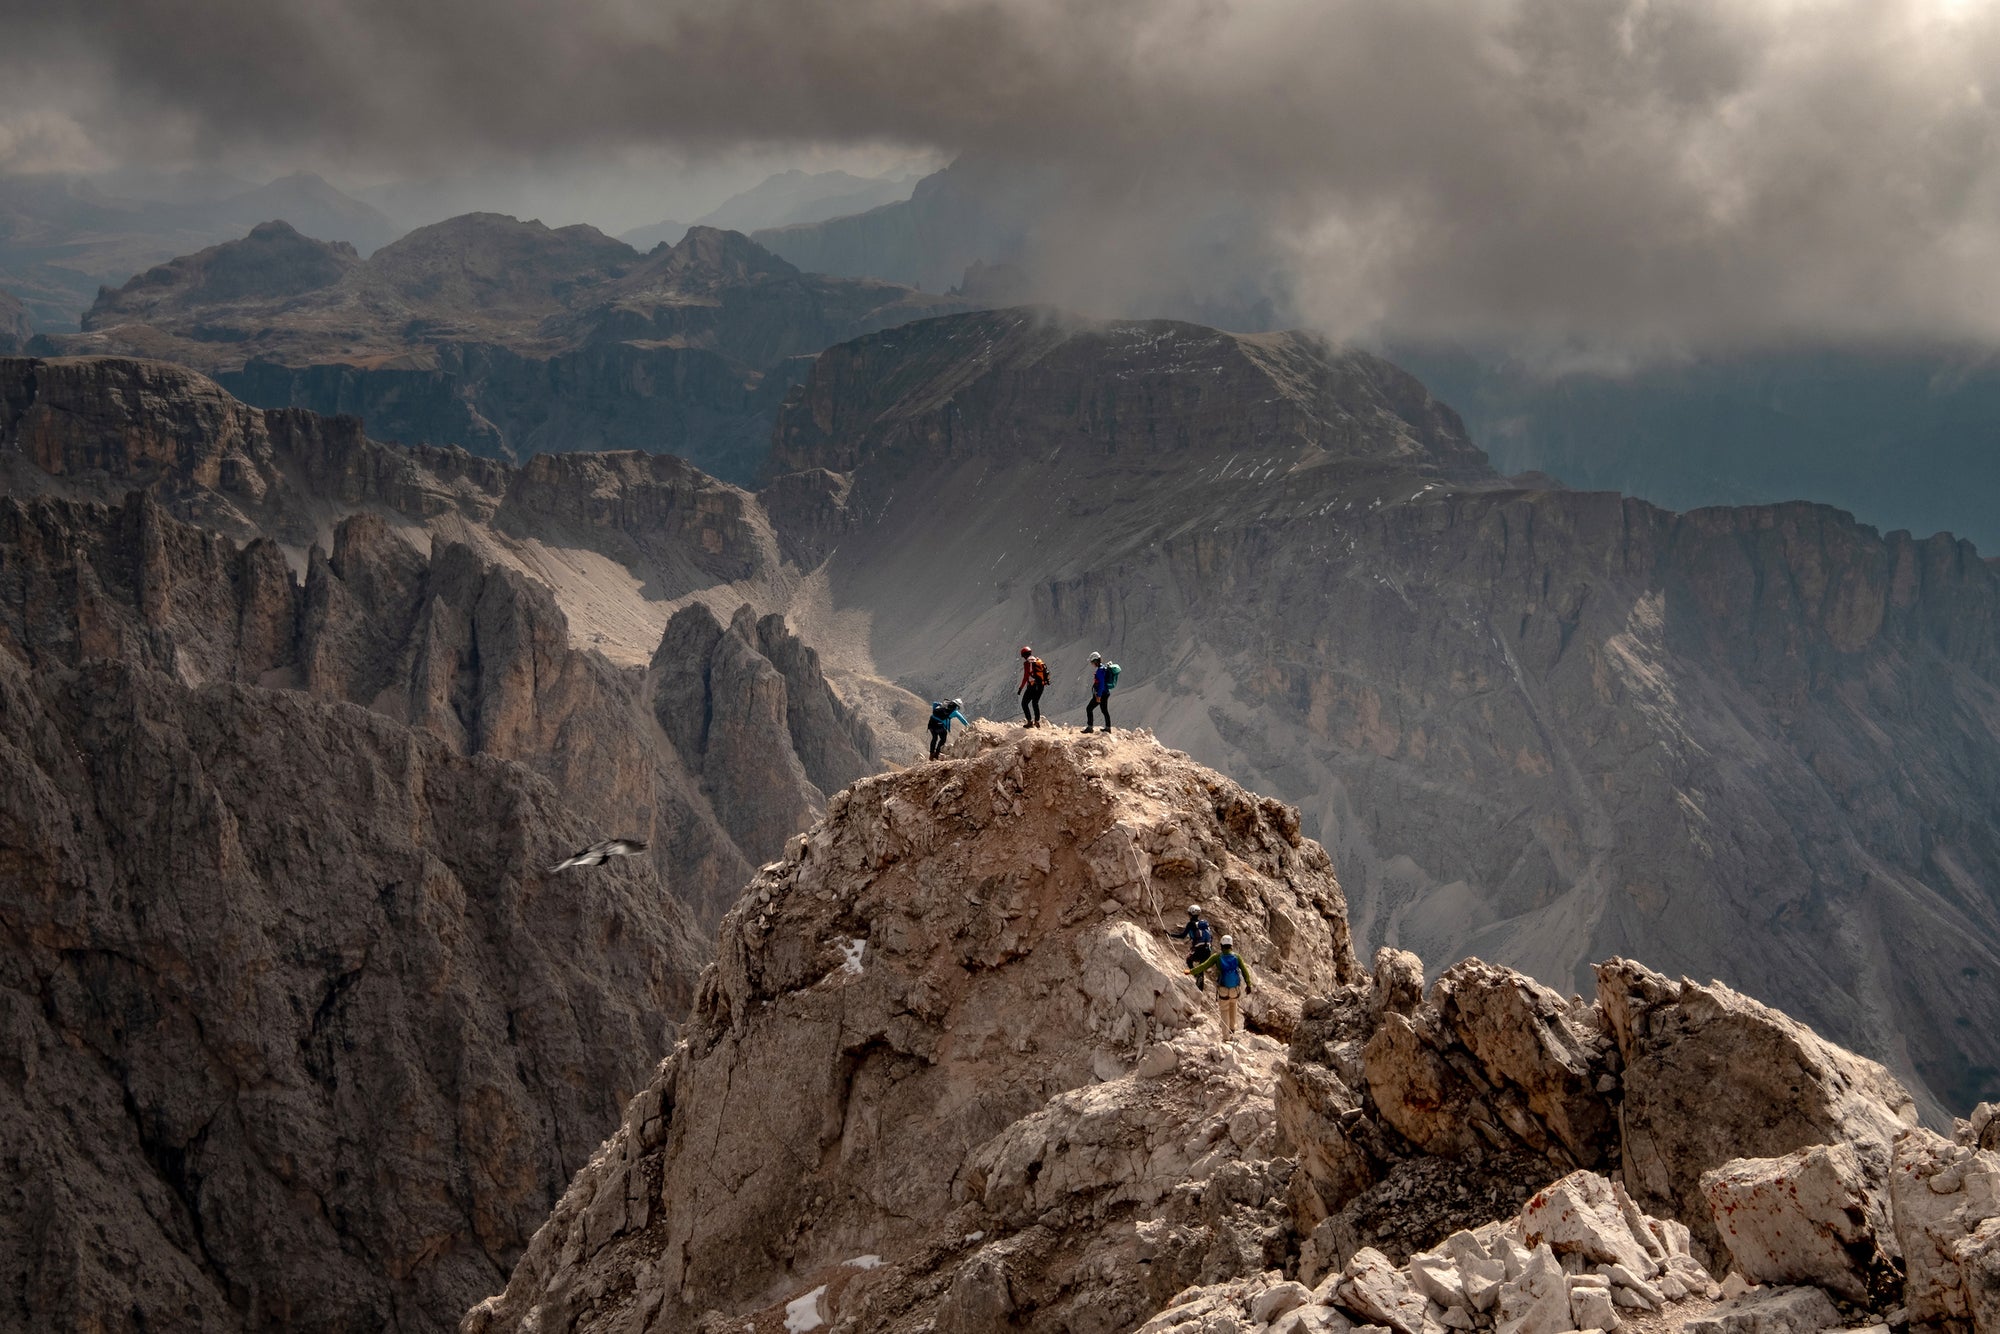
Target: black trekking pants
(1090,712)
(1031,703)
(938,734)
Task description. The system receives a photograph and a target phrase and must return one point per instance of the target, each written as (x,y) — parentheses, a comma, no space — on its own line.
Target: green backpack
(1110,677)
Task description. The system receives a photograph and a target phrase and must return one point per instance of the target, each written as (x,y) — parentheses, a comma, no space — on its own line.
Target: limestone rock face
(1710,1075)
(98,427)
(1410,1115)
(1818,1216)
(276,854)
(294,1031)
(1941,1195)
(952,1006)
(748,710)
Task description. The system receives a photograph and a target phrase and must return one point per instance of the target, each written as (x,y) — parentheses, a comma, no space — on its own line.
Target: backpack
(1229,970)
(1038,672)
(940,712)
(1110,677)
(1201,933)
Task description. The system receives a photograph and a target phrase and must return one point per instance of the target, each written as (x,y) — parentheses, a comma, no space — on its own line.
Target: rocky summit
(947,1062)
(947,1074)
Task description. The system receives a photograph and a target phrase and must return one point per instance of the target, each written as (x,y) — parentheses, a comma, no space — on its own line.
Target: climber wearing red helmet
(1034,675)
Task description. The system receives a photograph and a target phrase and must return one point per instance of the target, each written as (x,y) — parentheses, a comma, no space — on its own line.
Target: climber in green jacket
(1232,979)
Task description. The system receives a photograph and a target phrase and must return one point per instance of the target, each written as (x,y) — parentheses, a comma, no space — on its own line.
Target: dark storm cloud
(1644,171)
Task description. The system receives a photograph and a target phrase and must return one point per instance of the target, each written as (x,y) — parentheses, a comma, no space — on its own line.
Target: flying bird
(598,853)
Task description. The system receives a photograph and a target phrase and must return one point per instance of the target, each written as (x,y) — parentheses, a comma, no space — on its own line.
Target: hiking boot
(1090,729)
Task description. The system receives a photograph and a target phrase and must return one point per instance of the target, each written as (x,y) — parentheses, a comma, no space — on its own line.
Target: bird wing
(624,847)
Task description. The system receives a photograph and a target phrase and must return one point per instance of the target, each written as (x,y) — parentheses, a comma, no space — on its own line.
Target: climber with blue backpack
(1103,679)
(942,713)
(1232,979)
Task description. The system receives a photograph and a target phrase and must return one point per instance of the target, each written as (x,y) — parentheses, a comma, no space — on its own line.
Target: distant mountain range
(505,337)
(63,237)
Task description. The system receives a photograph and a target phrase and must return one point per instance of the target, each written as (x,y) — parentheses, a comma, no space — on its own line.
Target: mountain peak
(273,262)
(714,252)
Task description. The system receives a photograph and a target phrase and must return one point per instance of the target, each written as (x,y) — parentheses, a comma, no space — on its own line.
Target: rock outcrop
(1760,744)
(1945,1199)
(946,1032)
(1575,1256)
(1659,1082)
(503,337)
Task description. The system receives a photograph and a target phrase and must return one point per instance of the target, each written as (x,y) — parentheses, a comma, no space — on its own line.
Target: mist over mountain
(1904,437)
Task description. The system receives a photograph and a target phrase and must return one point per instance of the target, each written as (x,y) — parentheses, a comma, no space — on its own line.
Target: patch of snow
(803,1313)
(864,1262)
(850,956)
(971,1237)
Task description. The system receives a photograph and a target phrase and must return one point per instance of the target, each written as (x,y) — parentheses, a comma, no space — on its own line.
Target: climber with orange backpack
(1034,676)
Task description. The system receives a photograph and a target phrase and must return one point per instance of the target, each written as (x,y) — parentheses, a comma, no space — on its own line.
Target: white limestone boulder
(1817,1216)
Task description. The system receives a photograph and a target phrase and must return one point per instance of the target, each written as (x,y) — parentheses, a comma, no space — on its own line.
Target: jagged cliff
(275,864)
(298,1034)
(946,1075)
(504,337)
(1541,726)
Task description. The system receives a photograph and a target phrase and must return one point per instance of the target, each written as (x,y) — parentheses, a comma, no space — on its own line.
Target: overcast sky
(1638,172)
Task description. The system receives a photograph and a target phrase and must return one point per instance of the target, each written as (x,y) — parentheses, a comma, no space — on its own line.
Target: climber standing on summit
(1034,675)
(1232,979)
(942,712)
(1103,678)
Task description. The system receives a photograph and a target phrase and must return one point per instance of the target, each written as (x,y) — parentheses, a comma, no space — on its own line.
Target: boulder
(1817,1216)
(1711,1075)
(1437,1278)
(1399,982)
(1981,1130)
(1592,1308)
(1940,1194)
(1580,1215)
(1377,1291)
(1769,1310)
(1527,1041)
(1479,1273)
(1274,1301)
(1537,1300)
